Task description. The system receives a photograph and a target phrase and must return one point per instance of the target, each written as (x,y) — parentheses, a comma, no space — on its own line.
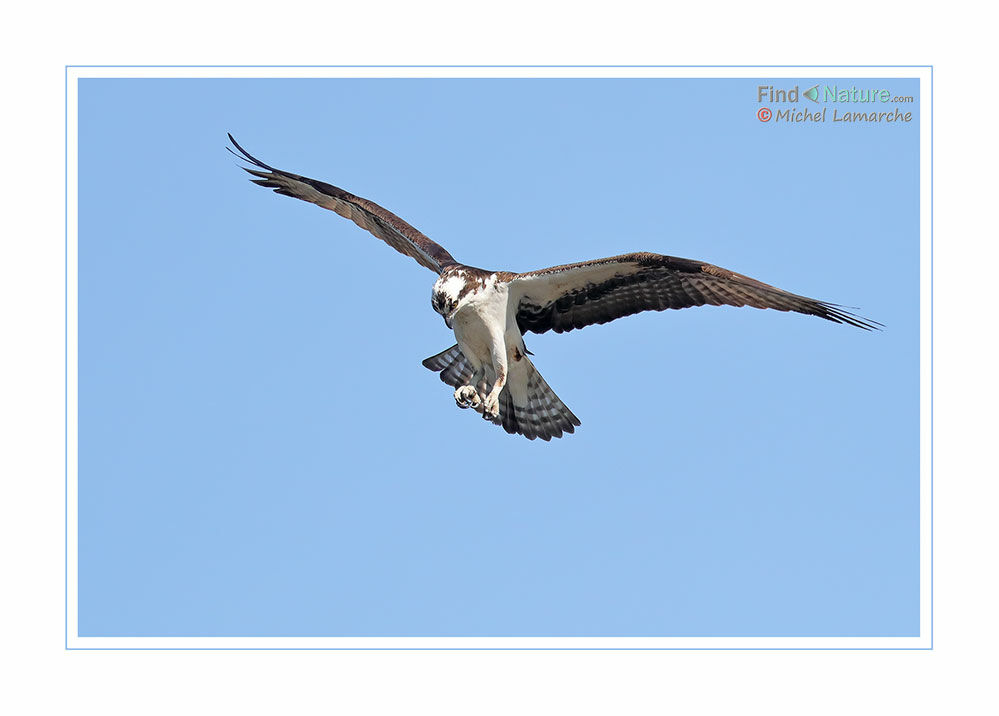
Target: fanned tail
(528,406)
(453,366)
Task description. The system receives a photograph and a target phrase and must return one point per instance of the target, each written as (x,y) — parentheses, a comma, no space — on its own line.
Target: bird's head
(444,305)
(446,296)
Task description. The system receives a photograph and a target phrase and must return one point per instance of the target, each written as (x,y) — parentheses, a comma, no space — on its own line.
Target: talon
(466,397)
(490,408)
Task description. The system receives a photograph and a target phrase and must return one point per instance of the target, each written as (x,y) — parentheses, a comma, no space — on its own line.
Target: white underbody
(485,326)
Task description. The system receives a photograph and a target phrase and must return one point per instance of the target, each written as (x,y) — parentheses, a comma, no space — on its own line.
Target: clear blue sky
(262,454)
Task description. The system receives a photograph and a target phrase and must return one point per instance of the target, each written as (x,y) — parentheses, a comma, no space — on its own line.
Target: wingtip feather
(839,314)
(246,156)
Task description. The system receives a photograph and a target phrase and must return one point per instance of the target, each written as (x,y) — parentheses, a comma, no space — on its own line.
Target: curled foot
(467,397)
(490,407)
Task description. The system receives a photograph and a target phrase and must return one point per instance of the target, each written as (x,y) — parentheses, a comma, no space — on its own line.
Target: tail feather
(528,406)
(454,368)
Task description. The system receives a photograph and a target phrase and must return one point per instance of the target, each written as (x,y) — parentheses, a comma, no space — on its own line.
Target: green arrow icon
(812,94)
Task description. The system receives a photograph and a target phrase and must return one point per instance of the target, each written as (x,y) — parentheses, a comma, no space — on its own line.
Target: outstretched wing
(367,214)
(576,295)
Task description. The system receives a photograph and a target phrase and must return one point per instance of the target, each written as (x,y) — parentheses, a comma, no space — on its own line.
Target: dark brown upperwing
(381,222)
(562,298)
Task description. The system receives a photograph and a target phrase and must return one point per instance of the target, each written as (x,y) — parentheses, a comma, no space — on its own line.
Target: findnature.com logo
(835,95)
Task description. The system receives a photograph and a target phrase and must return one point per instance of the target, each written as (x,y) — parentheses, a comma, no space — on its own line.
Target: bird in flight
(490,311)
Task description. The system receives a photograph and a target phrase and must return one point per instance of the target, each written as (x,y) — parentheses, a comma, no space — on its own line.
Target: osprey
(490,311)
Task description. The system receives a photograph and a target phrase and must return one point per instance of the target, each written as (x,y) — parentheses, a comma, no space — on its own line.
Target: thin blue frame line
(65,356)
(66,399)
(503,648)
(500,66)
(931,605)
(66,368)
